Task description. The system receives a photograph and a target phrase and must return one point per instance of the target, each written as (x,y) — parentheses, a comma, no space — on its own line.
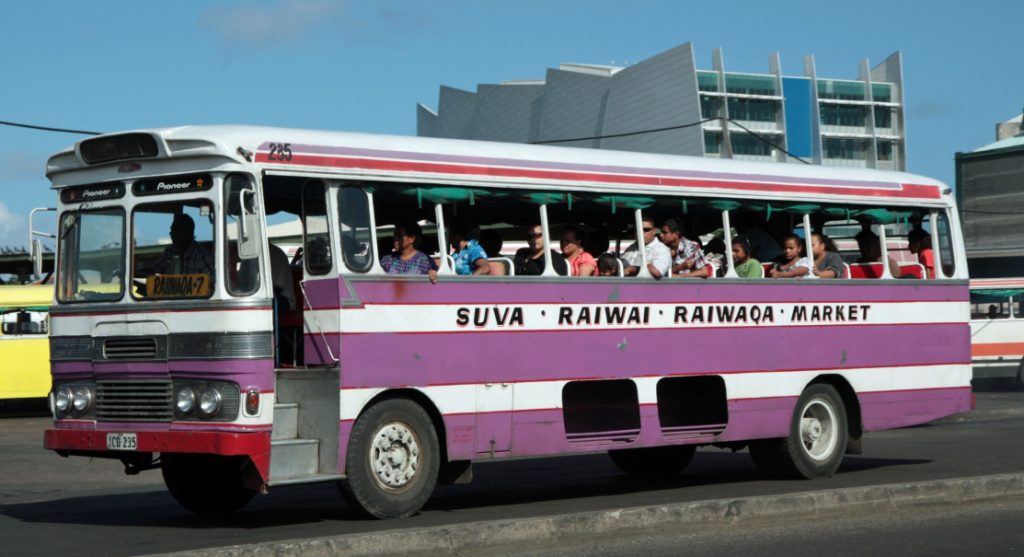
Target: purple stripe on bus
(576,167)
(249,374)
(467,291)
(388,359)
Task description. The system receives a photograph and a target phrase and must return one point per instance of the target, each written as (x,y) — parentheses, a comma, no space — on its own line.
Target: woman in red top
(920,242)
(581,263)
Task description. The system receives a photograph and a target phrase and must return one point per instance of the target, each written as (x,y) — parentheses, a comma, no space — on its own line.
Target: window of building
(710,107)
(752,110)
(885,150)
(883,117)
(712,142)
(881,92)
(746,84)
(707,81)
(842,115)
(842,90)
(746,144)
(836,148)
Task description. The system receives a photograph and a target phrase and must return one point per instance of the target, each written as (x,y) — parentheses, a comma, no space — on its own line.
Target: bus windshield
(92,256)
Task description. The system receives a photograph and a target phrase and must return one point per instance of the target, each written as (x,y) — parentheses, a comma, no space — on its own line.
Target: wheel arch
(851,402)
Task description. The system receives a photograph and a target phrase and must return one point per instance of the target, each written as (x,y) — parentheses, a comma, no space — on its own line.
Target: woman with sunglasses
(530,260)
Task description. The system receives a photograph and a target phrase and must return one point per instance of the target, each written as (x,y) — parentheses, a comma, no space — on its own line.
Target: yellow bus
(24,342)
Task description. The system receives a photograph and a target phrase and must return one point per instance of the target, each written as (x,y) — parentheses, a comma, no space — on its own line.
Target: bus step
(307,479)
(286,420)
(293,458)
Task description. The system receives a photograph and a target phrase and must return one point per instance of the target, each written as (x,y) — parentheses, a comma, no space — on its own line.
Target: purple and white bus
(206,353)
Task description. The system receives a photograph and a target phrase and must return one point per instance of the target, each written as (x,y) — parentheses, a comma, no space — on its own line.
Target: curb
(565,527)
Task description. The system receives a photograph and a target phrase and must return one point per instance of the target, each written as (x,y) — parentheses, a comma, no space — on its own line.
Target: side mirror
(249,244)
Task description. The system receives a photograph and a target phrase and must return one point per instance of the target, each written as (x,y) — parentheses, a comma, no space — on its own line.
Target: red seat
(865,270)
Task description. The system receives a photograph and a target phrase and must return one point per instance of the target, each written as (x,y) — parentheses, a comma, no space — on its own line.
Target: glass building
(837,122)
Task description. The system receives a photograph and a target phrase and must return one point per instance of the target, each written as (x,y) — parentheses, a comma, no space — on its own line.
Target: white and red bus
(997,328)
(176,354)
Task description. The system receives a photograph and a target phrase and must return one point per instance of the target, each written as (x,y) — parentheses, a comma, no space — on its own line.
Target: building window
(842,115)
(746,84)
(752,110)
(710,107)
(712,143)
(885,150)
(842,90)
(850,149)
(746,144)
(881,92)
(883,117)
(707,81)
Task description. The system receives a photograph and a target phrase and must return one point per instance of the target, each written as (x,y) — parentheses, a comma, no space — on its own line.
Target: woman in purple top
(406,259)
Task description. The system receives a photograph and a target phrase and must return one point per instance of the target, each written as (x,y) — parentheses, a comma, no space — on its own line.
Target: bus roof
(430,160)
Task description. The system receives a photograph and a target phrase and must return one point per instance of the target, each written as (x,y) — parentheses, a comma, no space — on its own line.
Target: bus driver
(184,256)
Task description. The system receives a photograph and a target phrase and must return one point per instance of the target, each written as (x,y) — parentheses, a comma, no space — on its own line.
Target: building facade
(838,122)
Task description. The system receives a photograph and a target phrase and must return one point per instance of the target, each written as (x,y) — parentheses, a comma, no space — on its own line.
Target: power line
(670,128)
(47,128)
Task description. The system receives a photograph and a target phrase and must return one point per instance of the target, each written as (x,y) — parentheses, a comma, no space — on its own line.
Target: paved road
(50,505)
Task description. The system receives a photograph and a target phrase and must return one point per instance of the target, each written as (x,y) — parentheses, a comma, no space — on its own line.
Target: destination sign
(178,286)
(94,192)
(173,184)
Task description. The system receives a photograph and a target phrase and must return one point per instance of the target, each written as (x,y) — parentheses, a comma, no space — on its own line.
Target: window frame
(213,243)
(61,252)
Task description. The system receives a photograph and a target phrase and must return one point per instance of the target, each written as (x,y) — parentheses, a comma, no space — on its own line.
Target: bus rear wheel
(654,461)
(816,442)
(393,460)
(206,484)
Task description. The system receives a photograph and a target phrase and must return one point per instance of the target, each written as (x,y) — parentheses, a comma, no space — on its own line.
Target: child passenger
(746,266)
(793,264)
(827,261)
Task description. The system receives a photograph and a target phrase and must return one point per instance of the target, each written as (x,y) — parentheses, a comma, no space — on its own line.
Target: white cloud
(263,25)
(13,228)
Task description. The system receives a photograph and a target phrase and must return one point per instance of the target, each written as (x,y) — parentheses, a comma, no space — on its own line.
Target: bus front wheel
(816,442)
(206,484)
(653,461)
(393,460)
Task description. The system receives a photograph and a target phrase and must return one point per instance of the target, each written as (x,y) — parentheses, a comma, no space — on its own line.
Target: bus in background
(166,354)
(997,328)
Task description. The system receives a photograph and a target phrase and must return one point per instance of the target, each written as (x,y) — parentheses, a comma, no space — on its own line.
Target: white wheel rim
(395,456)
(818,433)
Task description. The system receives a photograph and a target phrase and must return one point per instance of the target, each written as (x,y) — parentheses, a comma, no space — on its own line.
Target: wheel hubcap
(395,456)
(818,429)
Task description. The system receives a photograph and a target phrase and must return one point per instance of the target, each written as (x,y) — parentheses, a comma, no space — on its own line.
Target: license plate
(122,442)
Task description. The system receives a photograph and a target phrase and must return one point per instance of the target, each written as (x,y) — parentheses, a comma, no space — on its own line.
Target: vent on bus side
(129,348)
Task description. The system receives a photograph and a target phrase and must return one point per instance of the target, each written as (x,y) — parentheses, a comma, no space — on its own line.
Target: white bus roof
(479,163)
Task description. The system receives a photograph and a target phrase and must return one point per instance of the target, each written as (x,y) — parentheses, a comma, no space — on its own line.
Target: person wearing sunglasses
(659,258)
(530,260)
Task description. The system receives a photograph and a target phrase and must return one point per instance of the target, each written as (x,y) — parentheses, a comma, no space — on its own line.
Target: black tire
(206,484)
(399,490)
(812,450)
(654,461)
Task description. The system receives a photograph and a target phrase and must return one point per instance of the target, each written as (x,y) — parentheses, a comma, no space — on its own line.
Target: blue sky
(363,66)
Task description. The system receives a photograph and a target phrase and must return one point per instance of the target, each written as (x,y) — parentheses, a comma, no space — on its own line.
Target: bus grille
(129,348)
(126,400)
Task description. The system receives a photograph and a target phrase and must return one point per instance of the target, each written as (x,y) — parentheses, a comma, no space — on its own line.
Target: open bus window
(92,256)
(172,250)
(24,322)
(992,306)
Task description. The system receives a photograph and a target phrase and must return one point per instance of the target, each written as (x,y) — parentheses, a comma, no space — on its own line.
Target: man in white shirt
(659,258)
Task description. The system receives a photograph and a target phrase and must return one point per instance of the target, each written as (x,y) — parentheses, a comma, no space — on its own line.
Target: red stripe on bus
(998,349)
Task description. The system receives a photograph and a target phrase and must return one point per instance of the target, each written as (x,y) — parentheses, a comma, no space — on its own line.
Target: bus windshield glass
(172,255)
(92,256)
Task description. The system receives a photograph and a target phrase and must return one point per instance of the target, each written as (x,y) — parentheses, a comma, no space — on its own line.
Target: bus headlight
(62,399)
(81,399)
(185,401)
(210,402)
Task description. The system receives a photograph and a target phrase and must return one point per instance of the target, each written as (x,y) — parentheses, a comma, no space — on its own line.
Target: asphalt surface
(50,505)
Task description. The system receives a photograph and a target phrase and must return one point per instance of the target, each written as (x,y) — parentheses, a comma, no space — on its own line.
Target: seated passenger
(870,247)
(793,264)
(608,265)
(827,261)
(581,263)
(405,257)
(688,259)
(920,243)
(746,266)
(530,260)
(659,258)
(470,258)
(184,256)
(993,312)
